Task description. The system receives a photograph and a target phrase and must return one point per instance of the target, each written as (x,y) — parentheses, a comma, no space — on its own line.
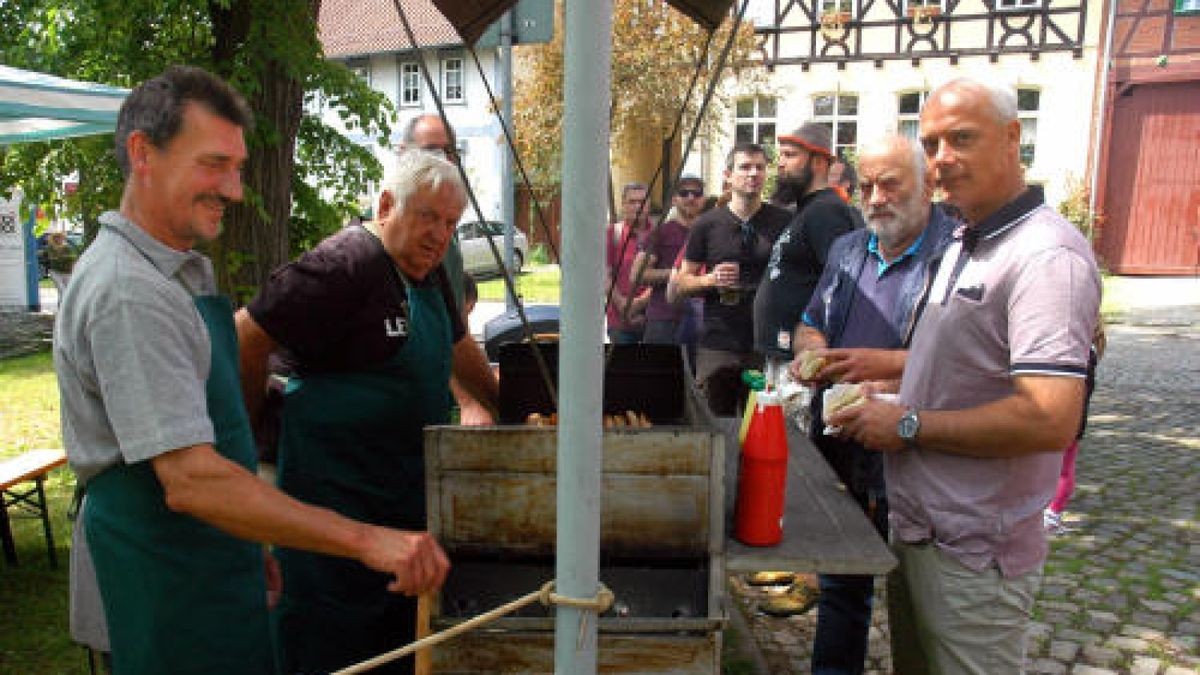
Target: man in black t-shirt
(372,324)
(726,253)
(799,254)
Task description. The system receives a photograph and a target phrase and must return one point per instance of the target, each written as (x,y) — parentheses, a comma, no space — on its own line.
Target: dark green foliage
(268,49)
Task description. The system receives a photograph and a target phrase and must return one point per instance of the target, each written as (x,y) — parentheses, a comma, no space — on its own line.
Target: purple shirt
(1023,301)
(664,244)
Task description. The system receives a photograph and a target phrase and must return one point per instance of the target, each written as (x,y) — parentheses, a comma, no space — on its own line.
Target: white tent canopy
(39,107)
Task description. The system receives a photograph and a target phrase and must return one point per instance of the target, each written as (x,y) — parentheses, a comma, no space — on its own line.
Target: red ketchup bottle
(762,479)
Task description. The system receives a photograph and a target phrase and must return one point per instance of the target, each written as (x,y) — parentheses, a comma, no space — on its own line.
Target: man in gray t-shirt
(991,394)
(153,421)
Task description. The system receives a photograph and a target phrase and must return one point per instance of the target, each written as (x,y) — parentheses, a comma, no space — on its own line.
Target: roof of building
(349,28)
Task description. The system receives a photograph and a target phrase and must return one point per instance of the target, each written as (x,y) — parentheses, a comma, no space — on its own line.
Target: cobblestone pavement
(1121,592)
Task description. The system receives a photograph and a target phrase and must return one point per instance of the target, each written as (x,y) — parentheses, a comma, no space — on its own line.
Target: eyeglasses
(684,192)
(447,152)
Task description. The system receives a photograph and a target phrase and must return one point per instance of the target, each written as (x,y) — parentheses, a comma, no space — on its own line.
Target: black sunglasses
(685,192)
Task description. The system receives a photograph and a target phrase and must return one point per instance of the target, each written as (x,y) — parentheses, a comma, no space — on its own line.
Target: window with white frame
(908,113)
(839,113)
(755,120)
(453,89)
(1187,6)
(1010,5)
(934,6)
(837,7)
(410,84)
(1028,101)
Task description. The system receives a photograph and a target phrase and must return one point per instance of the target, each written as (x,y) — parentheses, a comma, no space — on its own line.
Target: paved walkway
(1121,592)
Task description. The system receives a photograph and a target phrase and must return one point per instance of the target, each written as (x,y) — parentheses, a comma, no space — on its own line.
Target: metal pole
(586,94)
(504,87)
(1098,139)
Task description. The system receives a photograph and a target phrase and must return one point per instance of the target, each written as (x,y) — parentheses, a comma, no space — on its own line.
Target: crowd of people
(969,322)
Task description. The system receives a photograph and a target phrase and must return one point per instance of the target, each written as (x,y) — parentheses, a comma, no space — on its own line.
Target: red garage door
(1152,197)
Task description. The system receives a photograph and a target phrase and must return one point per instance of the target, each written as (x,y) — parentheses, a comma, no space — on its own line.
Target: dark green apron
(180,596)
(353,442)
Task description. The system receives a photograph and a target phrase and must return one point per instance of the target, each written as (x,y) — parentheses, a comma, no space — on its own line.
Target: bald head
(427,132)
(896,191)
(972,140)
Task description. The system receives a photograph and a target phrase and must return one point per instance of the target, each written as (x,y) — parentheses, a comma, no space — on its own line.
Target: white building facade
(381,55)
(864,69)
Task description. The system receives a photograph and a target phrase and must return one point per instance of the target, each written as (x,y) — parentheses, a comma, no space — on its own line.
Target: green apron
(353,442)
(181,596)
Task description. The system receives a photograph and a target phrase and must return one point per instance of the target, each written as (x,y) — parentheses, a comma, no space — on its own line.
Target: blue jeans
(844,611)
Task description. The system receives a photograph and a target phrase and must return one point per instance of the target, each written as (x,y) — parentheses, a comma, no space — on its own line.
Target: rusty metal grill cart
(491,499)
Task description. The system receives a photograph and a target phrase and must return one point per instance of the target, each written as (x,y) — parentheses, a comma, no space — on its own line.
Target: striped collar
(1004,219)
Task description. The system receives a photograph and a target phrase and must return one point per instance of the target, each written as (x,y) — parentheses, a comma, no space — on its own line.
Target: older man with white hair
(369,324)
(855,325)
(991,393)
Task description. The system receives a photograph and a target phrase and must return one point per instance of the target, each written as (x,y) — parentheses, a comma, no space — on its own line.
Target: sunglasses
(685,192)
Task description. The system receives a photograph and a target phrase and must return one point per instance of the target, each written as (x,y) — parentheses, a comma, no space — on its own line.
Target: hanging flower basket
(833,23)
(923,14)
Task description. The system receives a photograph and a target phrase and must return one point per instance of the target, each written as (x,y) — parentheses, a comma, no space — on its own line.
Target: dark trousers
(661,332)
(844,610)
(719,378)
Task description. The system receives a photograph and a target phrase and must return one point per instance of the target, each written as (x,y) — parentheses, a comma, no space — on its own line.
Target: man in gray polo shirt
(991,394)
(152,412)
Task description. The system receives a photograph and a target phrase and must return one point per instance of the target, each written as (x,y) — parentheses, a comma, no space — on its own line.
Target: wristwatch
(908,427)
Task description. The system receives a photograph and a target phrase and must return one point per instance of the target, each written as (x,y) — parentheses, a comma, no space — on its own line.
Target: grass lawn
(537,283)
(33,627)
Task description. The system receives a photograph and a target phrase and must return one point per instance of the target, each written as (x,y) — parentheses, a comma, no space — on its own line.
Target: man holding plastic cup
(732,242)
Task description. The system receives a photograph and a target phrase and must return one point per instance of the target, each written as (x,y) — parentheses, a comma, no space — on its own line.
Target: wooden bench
(29,501)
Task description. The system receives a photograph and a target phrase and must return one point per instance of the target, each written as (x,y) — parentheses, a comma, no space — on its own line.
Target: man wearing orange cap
(800,252)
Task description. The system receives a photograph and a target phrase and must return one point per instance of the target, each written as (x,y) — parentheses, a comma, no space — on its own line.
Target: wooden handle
(424,657)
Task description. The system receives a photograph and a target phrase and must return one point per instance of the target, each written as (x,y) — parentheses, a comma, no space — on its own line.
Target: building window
(839,113)
(755,120)
(1016,5)
(410,84)
(361,68)
(931,6)
(452,80)
(908,118)
(1187,6)
(842,7)
(1028,101)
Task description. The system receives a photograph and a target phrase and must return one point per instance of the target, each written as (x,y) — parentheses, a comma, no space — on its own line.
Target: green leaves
(249,42)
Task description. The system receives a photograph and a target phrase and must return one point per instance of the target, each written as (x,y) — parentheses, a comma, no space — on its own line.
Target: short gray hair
(1002,97)
(890,142)
(415,170)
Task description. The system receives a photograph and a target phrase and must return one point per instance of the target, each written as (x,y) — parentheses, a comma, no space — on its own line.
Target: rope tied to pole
(599,603)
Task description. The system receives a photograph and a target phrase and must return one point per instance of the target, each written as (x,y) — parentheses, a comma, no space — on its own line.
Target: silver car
(478,259)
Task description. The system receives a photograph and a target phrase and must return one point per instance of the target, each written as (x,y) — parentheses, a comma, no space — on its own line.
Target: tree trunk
(255,237)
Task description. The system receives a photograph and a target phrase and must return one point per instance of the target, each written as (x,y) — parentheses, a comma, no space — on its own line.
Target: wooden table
(30,466)
(824,530)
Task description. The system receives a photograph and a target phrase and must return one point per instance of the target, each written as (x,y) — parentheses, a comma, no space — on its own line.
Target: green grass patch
(28,404)
(34,635)
(537,283)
